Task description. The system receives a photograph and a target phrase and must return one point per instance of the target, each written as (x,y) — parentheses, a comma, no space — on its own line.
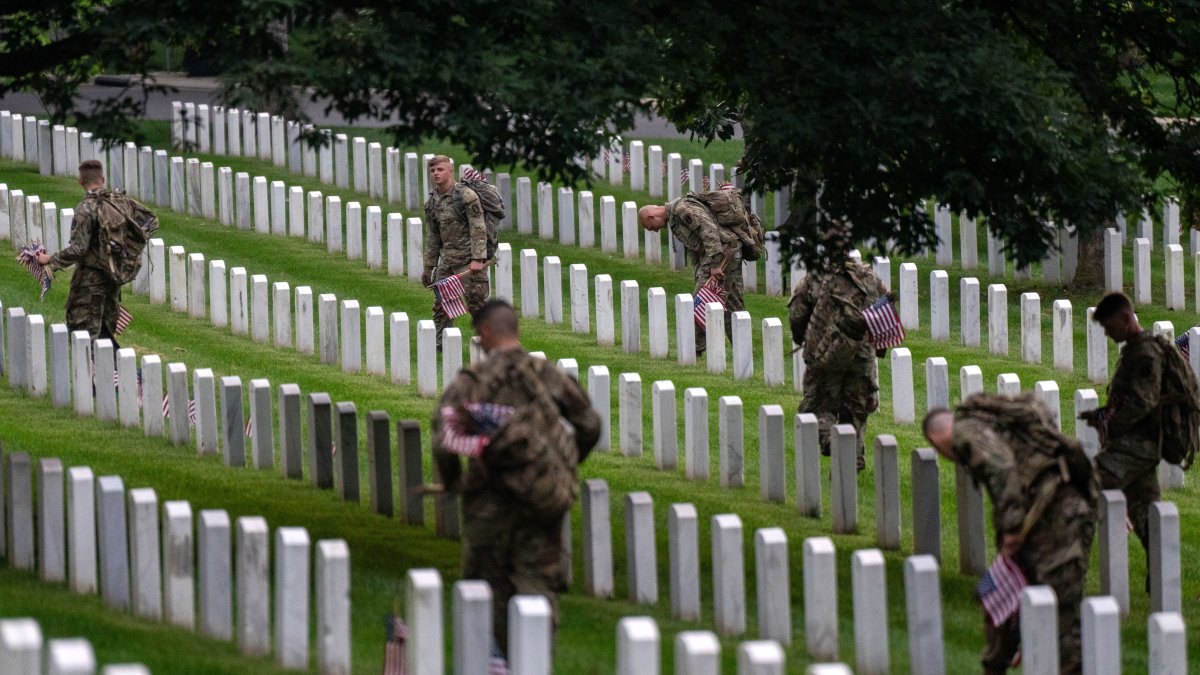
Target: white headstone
(729,583)
(1031,328)
(600,393)
(910,311)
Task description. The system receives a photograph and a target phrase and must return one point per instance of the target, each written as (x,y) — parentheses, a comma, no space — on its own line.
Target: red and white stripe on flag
(704,296)
(449,292)
(1000,589)
(457,442)
(884,329)
(123,319)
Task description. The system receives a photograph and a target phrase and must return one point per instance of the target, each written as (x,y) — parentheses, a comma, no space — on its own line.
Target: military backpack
(538,468)
(1179,404)
(493,210)
(125,226)
(730,211)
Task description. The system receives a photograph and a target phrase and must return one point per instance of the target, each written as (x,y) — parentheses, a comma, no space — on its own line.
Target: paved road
(202,90)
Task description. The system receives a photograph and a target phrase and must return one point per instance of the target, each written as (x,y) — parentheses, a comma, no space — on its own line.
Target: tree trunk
(1089,275)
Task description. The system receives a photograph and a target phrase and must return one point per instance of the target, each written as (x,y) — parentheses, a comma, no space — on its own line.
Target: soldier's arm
(433,241)
(449,464)
(712,249)
(476,226)
(82,226)
(1136,388)
(576,407)
(800,310)
(991,461)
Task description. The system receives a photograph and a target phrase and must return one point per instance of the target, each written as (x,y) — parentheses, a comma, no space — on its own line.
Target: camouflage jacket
(1031,487)
(1133,399)
(706,242)
(493,381)
(825,312)
(82,250)
(456,231)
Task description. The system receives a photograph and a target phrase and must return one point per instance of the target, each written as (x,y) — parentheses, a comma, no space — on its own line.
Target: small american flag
(884,329)
(709,292)
(393,649)
(685,175)
(1000,589)
(486,418)
(470,173)
(1184,345)
(28,258)
(123,319)
(191,412)
(449,293)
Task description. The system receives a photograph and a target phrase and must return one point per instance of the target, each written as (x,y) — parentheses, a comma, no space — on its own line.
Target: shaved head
(938,428)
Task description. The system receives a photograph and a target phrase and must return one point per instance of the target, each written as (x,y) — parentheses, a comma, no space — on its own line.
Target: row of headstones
(638,649)
(1059,263)
(223,430)
(530,640)
(1173,255)
(94,535)
(1062,331)
(23,652)
(377,172)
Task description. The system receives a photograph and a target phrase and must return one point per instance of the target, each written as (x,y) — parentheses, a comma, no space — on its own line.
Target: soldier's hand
(43,259)
(717,275)
(427,276)
(477,265)
(1011,544)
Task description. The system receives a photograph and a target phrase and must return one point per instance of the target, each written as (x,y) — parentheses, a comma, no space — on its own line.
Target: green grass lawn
(382,549)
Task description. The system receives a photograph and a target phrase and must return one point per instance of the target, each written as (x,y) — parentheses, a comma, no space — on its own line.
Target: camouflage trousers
(1138,479)
(475,293)
(841,394)
(514,556)
(1055,553)
(734,302)
(92,303)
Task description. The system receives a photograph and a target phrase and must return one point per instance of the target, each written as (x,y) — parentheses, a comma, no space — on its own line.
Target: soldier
(1044,498)
(93,301)
(714,248)
(1128,459)
(524,426)
(457,240)
(826,317)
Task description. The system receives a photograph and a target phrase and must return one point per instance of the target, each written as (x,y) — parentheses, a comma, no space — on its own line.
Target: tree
(1016,111)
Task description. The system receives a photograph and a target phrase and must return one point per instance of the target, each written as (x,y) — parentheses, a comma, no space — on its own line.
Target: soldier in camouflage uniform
(1128,460)
(93,300)
(512,515)
(456,240)
(1044,497)
(826,317)
(714,251)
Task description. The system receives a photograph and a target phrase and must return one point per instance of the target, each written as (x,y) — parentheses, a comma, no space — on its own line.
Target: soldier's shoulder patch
(475,209)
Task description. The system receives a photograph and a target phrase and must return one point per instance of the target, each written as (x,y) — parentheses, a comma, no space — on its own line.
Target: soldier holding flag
(456,245)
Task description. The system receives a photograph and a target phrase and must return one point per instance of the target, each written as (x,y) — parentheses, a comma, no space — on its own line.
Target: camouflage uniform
(1129,459)
(514,552)
(707,244)
(1019,465)
(825,313)
(457,235)
(93,300)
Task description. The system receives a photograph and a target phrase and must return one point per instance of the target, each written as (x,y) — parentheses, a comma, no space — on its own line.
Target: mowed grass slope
(383,549)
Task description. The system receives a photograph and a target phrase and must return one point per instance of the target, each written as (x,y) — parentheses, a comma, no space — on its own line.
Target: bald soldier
(1044,497)
(717,231)
(524,426)
(456,240)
